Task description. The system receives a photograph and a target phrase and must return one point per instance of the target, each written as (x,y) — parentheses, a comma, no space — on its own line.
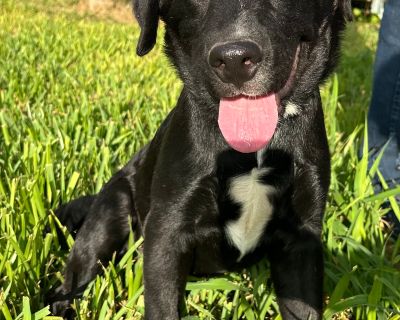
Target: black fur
(176,189)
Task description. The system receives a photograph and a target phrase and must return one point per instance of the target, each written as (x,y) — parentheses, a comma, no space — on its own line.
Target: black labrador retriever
(238,171)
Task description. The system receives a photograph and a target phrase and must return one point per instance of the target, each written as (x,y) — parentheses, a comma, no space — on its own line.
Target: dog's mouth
(248,122)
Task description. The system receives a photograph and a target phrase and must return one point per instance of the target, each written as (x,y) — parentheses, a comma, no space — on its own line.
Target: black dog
(239,170)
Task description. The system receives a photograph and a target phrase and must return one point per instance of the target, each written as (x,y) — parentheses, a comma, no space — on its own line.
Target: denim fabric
(384,112)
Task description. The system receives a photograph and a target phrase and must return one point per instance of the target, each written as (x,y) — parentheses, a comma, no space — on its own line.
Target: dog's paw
(60,303)
(62,309)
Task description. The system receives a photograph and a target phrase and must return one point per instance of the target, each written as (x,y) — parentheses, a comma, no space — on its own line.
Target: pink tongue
(248,124)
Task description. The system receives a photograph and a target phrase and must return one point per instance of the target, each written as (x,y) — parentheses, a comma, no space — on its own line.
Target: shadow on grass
(355,75)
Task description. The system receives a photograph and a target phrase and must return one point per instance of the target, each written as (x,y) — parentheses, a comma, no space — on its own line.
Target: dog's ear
(147,14)
(345,7)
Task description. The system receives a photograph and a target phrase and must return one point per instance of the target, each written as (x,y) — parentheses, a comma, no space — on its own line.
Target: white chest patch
(256,210)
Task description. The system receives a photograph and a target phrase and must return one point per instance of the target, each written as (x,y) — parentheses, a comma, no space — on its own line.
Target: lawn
(76,103)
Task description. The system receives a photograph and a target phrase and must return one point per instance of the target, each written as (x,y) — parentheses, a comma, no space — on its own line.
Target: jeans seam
(395,110)
(395,118)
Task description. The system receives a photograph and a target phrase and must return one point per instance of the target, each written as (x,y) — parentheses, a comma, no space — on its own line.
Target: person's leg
(384,112)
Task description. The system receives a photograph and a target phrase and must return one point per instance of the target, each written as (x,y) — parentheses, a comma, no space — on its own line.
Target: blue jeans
(384,112)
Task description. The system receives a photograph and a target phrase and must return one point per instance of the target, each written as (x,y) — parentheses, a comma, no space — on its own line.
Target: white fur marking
(291,110)
(260,155)
(256,210)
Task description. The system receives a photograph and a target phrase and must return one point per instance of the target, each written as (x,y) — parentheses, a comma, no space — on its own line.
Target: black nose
(235,62)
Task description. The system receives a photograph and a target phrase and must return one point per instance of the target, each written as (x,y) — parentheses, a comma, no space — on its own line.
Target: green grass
(76,103)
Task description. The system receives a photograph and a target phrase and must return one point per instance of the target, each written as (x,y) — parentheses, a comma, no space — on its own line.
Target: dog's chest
(253,198)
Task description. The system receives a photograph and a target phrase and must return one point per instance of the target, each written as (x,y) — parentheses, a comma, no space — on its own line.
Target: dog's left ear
(347,11)
(147,14)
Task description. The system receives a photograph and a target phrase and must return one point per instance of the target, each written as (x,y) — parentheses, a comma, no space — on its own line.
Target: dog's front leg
(296,251)
(167,262)
(297,274)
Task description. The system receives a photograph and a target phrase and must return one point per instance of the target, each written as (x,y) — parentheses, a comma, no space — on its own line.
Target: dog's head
(226,49)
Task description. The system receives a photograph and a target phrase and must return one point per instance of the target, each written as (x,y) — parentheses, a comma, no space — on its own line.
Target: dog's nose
(235,62)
